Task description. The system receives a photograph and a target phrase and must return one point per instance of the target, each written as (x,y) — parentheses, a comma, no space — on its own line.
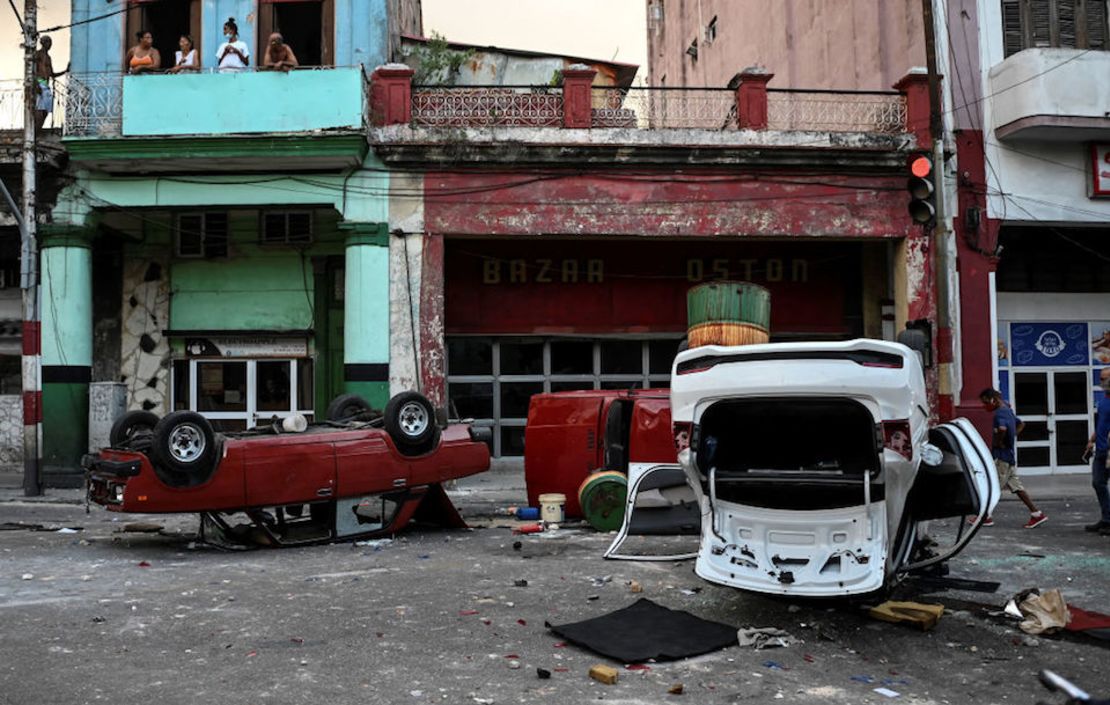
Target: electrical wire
(91,19)
(18,18)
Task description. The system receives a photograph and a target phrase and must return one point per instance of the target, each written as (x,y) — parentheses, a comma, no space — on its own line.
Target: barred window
(1071,24)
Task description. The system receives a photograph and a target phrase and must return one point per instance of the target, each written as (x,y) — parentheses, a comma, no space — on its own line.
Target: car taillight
(896,437)
(682,435)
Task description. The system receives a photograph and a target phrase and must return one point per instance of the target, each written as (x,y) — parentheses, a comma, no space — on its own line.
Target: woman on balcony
(143,57)
(233,54)
(186,56)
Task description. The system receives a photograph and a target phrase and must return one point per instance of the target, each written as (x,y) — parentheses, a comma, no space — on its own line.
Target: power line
(18,17)
(90,19)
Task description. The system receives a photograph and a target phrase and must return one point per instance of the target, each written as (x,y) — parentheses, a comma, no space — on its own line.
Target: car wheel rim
(186,443)
(413,419)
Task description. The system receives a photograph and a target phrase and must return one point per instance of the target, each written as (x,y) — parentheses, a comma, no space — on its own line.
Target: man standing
(1003,447)
(44,74)
(1099,443)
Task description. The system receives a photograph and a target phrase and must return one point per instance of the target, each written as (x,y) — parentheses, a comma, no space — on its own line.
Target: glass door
(239,394)
(1055,407)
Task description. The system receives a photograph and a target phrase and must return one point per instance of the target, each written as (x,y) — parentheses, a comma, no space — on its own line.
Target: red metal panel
(559,287)
(651,439)
(563,443)
(281,471)
(368,465)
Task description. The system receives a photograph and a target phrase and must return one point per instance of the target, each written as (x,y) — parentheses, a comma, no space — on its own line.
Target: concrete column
(366,312)
(914,86)
(66,352)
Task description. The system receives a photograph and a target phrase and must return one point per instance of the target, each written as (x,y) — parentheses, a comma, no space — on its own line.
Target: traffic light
(920,185)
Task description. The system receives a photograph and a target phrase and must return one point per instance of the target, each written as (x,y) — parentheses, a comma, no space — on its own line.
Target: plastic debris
(600,581)
(676,689)
(760,638)
(529,529)
(1042,612)
(919,614)
(376,544)
(635,587)
(467,613)
(887,692)
(522,622)
(144,564)
(543,674)
(863,679)
(27,576)
(514,664)
(603,674)
(774,665)
(520,583)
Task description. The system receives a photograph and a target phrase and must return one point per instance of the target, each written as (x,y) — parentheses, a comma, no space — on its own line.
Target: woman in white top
(185,59)
(233,54)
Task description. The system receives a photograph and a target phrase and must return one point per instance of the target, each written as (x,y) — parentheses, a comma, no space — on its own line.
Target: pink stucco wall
(837,44)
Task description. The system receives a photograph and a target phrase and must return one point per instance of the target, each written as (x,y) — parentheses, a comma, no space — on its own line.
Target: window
(308,27)
(239,394)
(492,380)
(287,228)
(711,31)
(1071,24)
(692,50)
(166,20)
(201,235)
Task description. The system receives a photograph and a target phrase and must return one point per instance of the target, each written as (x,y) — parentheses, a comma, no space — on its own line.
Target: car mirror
(931,455)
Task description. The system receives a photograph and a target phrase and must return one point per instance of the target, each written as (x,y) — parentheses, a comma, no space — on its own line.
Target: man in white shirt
(233,54)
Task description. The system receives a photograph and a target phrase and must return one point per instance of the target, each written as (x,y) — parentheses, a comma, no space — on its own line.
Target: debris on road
(919,614)
(141,527)
(529,529)
(543,674)
(888,692)
(676,689)
(1042,613)
(635,587)
(376,544)
(604,674)
(760,638)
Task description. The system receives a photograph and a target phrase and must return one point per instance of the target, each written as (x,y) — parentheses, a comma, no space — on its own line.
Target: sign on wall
(1100,343)
(1100,170)
(1048,344)
(252,346)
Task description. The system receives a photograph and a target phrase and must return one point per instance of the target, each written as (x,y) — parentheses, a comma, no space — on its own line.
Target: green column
(66,307)
(366,312)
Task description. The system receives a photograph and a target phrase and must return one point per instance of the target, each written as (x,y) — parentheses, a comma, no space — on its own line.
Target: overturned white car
(813,466)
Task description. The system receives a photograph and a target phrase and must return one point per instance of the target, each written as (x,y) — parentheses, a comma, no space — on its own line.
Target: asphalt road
(100,615)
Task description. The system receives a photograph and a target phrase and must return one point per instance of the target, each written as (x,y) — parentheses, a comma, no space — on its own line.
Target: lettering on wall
(543,271)
(774,269)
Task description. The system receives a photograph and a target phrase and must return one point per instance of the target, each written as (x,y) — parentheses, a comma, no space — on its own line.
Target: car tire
(132,431)
(185,447)
(346,407)
(411,422)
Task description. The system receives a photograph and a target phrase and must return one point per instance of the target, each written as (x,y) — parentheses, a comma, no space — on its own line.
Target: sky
(611,30)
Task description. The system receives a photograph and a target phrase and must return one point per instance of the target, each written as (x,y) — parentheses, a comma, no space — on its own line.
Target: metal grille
(11,104)
(93,104)
(498,106)
(821,111)
(664,108)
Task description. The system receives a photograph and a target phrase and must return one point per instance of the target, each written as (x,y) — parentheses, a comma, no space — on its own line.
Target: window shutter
(1011,27)
(215,235)
(1065,12)
(300,229)
(1041,16)
(190,235)
(1096,24)
(273,229)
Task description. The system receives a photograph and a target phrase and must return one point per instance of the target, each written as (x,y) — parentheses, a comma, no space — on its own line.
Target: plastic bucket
(728,313)
(551,507)
(602,496)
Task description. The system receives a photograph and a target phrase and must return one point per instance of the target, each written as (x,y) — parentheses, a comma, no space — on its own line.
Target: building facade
(223,245)
(1032,134)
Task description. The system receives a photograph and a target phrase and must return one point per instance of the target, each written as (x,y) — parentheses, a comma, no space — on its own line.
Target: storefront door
(240,394)
(1054,405)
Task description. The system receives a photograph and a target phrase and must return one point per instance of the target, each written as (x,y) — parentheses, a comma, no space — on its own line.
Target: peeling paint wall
(11,431)
(144,351)
(406,248)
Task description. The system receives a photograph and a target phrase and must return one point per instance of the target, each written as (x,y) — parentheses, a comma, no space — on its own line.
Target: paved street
(434,616)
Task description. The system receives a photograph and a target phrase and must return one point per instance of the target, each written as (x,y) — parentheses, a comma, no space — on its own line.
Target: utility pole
(940,227)
(28,270)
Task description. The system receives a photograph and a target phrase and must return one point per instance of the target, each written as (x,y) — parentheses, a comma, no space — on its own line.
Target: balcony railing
(11,104)
(501,106)
(664,108)
(577,104)
(836,111)
(210,102)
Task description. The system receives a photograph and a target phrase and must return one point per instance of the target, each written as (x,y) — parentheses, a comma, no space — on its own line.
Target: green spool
(602,497)
(729,302)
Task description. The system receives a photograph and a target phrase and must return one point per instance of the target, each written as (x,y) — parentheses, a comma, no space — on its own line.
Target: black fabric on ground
(645,630)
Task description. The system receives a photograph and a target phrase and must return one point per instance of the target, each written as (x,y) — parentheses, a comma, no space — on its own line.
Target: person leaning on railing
(232,55)
(44,74)
(143,57)
(185,58)
(279,56)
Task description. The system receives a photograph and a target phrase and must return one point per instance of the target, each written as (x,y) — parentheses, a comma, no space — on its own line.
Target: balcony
(1052,94)
(576,119)
(310,119)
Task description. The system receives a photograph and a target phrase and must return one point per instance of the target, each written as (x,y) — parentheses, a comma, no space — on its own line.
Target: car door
(962,486)
(661,509)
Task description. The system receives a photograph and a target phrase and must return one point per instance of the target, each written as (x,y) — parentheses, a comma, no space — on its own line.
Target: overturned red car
(360,474)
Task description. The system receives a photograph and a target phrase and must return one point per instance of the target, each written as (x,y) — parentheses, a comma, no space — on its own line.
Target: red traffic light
(921,167)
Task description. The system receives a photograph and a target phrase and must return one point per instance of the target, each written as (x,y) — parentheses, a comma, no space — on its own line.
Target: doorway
(307,26)
(1055,407)
(236,395)
(166,20)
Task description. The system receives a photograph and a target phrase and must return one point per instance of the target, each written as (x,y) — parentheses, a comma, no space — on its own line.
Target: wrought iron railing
(836,111)
(11,104)
(664,108)
(487,106)
(93,105)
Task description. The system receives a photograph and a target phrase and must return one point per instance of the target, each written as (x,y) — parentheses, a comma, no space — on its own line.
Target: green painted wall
(366,303)
(66,306)
(377,393)
(65,433)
